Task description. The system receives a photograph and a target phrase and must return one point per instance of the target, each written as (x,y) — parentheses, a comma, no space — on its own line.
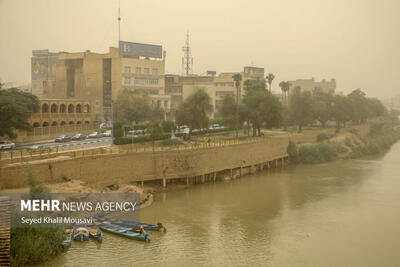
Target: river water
(343,213)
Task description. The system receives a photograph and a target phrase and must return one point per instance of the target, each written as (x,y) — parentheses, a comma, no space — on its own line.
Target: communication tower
(187,59)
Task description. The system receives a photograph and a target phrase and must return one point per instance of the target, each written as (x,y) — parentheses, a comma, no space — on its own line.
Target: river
(343,213)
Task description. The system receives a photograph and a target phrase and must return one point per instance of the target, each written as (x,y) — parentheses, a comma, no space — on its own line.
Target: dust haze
(354,41)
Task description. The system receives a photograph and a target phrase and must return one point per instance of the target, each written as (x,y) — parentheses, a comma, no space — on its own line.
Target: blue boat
(134,226)
(67,239)
(95,233)
(80,232)
(124,231)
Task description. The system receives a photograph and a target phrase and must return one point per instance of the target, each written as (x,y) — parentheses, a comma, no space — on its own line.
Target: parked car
(34,147)
(107,133)
(95,135)
(62,139)
(4,145)
(79,136)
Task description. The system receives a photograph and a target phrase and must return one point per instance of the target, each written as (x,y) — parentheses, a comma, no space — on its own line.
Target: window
(145,81)
(127,80)
(126,48)
(154,71)
(223,93)
(146,70)
(127,69)
(138,70)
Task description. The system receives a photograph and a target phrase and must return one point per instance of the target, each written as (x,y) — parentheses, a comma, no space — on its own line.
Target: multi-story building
(96,77)
(56,117)
(311,84)
(217,87)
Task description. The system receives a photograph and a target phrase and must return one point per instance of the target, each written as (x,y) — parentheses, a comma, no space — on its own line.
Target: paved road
(97,142)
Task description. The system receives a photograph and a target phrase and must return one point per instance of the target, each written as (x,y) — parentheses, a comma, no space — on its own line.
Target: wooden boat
(95,233)
(132,224)
(66,243)
(80,232)
(122,231)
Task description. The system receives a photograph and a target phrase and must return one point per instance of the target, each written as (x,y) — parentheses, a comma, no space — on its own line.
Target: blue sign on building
(140,50)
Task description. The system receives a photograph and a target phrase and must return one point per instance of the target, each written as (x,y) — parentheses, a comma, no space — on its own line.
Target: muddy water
(344,213)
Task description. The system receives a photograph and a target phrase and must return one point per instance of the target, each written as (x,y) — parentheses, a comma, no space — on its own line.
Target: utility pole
(119,21)
(112,105)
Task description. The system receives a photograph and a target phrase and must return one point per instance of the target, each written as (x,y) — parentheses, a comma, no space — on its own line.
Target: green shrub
(322,137)
(292,150)
(138,139)
(30,244)
(118,130)
(140,126)
(317,153)
(34,245)
(168,126)
(376,129)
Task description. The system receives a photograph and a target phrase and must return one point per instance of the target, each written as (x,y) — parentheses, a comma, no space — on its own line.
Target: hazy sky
(355,41)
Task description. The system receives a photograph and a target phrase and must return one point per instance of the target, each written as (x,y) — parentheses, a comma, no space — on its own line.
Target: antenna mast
(187,59)
(119,21)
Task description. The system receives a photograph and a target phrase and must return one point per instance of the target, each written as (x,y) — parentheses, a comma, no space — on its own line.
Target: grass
(30,245)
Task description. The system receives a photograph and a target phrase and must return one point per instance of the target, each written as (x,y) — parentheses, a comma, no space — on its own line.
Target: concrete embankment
(192,165)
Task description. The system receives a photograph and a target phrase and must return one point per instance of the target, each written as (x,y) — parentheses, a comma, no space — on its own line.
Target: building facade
(311,84)
(97,77)
(216,86)
(59,116)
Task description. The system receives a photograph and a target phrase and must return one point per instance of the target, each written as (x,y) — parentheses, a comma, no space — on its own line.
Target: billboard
(140,50)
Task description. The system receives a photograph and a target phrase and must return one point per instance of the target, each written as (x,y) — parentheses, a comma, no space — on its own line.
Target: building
(56,117)
(217,86)
(311,84)
(95,77)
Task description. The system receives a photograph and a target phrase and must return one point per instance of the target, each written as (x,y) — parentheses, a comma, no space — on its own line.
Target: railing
(81,150)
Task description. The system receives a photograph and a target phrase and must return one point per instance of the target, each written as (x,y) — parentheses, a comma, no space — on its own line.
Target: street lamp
(112,114)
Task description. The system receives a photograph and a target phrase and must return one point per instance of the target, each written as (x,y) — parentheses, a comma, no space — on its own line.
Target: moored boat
(95,233)
(80,232)
(66,243)
(123,231)
(132,224)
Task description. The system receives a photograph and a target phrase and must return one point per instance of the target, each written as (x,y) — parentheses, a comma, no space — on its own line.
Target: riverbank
(351,142)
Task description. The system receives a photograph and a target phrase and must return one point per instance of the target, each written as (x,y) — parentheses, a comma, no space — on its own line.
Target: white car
(5,145)
(95,135)
(107,133)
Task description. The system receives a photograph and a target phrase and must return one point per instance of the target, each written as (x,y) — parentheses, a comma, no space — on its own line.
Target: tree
(301,108)
(157,113)
(341,110)
(228,111)
(155,130)
(270,77)
(237,78)
(15,109)
(132,107)
(195,110)
(263,109)
(323,105)
(254,85)
(285,87)
(360,108)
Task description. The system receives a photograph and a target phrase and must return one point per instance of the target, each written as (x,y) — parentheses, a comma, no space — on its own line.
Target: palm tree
(237,78)
(285,87)
(270,77)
